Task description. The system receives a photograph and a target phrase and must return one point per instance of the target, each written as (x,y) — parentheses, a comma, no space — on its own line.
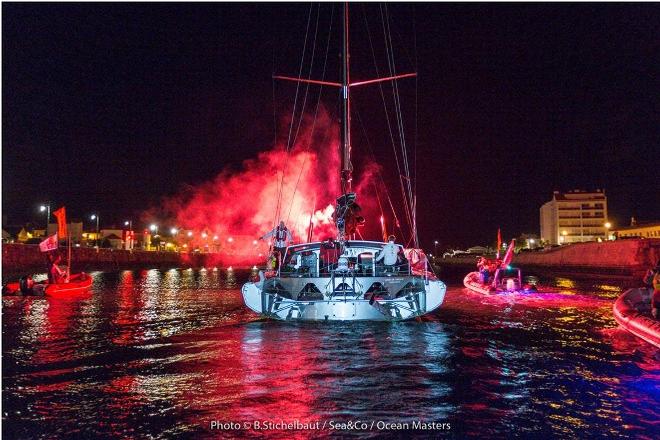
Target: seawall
(18,259)
(628,258)
(621,257)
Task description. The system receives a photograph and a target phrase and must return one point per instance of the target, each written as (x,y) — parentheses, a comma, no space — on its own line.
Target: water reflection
(163,353)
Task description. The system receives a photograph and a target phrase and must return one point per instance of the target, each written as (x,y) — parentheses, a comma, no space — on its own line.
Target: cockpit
(323,259)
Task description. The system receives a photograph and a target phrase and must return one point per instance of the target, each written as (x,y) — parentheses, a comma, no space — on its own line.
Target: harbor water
(175,354)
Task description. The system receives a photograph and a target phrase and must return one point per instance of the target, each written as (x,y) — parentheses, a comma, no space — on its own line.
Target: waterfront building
(74,228)
(574,216)
(638,230)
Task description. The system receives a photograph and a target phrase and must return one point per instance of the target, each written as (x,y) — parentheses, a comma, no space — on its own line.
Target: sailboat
(69,284)
(342,279)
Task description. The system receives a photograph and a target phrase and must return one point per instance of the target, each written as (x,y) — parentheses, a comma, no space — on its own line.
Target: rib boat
(632,310)
(348,283)
(78,284)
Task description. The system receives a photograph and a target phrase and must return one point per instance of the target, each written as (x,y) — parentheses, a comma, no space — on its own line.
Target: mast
(346,166)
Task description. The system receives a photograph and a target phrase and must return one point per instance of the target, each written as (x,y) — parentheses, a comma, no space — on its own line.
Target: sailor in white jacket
(390,252)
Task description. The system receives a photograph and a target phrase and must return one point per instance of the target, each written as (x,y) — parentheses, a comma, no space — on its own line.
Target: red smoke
(228,213)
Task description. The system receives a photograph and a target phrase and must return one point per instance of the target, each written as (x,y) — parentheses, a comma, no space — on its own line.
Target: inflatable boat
(502,284)
(632,310)
(78,284)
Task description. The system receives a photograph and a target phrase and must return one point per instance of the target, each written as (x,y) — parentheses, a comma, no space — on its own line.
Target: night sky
(111,107)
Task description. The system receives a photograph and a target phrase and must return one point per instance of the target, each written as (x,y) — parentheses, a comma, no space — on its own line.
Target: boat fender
(24,285)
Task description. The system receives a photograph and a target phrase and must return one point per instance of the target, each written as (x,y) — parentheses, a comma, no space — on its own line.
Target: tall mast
(346,166)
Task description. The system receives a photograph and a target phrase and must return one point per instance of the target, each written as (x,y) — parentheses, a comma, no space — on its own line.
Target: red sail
(61,222)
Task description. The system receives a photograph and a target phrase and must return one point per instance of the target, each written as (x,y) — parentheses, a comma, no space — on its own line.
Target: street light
(46,207)
(189,233)
(435,247)
(96,217)
(153,228)
(174,231)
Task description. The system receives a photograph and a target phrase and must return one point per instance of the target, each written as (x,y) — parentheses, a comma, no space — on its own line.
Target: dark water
(162,354)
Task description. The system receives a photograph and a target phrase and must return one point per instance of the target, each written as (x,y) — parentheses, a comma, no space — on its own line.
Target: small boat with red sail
(60,283)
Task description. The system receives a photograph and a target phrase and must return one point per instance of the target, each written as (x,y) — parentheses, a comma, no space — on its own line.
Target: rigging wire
(295,102)
(318,103)
(409,201)
(385,108)
(370,152)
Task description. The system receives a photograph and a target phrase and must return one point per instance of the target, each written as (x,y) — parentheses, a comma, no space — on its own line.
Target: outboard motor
(512,285)
(25,285)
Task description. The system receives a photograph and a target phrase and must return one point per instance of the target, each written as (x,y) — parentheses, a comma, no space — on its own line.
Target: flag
(61,221)
(49,244)
(499,242)
(509,253)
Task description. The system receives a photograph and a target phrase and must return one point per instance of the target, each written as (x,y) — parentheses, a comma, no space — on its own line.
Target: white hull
(345,308)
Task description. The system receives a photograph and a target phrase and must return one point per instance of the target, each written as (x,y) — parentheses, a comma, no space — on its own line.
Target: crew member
(55,274)
(652,279)
(389,254)
(282,238)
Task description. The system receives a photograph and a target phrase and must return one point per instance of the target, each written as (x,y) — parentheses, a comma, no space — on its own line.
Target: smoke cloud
(228,213)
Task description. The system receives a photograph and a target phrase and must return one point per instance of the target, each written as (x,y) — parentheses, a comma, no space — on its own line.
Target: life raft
(632,310)
(78,284)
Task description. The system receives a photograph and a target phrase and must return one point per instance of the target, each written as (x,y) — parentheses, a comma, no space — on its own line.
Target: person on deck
(389,254)
(652,279)
(55,274)
(282,238)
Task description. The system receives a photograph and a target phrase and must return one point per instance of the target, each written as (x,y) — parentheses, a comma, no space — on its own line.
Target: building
(638,230)
(574,217)
(75,229)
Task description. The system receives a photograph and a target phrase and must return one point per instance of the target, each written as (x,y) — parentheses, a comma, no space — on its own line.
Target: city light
(230,239)
(189,233)
(215,237)
(531,240)
(174,231)
(93,217)
(608,225)
(126,223)
(42,208)
(254,242)
(204,235)
(564,233)
(153,228)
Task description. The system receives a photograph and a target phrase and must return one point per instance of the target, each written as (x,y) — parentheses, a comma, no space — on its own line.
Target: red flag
(509,253)
(49,244)
(499,242)
(61,221)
